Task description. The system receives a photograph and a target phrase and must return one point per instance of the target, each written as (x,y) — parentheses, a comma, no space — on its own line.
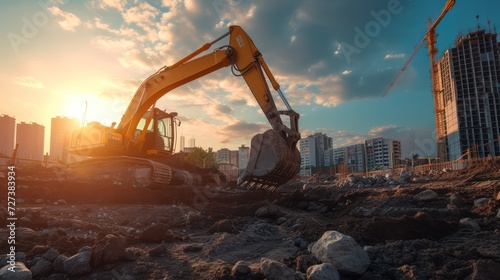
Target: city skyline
(333,61)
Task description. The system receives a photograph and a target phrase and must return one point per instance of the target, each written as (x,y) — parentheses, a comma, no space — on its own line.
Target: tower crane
(430,38)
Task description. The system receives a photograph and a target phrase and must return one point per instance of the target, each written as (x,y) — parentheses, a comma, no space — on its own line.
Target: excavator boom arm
(241,54)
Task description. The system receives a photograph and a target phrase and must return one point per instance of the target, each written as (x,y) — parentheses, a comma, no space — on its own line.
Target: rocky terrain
(435,225)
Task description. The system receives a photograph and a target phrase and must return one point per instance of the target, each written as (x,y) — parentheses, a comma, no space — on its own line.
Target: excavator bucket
(272,162)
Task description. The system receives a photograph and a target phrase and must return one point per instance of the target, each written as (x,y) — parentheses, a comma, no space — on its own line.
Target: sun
(89,107)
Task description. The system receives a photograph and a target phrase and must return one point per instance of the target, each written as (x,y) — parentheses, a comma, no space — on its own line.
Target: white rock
(324,271)
(341,251)
(274,270)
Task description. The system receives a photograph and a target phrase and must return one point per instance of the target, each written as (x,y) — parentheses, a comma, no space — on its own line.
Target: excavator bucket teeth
(272,162)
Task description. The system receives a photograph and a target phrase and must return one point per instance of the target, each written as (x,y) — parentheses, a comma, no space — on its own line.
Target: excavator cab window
(159,134)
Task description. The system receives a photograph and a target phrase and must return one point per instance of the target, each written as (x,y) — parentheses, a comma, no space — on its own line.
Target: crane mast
(437,93)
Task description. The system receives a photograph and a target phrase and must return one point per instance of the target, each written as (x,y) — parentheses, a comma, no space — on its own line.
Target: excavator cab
(156,130)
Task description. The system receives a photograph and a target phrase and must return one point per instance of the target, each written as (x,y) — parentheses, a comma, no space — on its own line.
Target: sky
(333,59)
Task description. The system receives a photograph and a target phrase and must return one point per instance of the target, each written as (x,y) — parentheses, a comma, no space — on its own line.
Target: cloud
(69,20)
(394,56)
(28,81)
(241,130)
(383,130)
(105,4)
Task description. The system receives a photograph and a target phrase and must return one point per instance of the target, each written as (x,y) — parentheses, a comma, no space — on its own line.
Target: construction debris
(433,225)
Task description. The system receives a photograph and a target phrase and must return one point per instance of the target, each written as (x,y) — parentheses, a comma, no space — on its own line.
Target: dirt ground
(440,225)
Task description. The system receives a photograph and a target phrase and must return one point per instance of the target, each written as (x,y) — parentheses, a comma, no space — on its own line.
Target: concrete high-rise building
(227,162)
(243,157)
(382,153)
(353,157)
(30,137)
(312,152)
(469,79)
(7,133)
(191,142)
(183,143)
(61,130)
(223,155)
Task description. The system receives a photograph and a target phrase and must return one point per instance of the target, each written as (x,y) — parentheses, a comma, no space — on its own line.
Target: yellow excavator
(141,148)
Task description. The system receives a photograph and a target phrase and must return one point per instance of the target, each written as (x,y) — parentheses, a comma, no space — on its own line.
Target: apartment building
(469,76)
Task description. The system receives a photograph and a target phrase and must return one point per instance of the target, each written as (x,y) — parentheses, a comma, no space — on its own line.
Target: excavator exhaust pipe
(272,162)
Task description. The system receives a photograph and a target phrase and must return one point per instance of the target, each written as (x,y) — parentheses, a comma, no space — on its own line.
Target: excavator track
(123,170)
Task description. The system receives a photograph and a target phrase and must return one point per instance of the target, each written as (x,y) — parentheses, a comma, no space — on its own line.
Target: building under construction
(469,80)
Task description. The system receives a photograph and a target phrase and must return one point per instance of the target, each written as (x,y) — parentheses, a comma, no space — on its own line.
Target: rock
(498,214)
(498,195)
(300,276)
(131,254)
(342,252)
(303,262)
(470,223)
(484,269)
(21,272)
(154,233)
(269,211)
(456,199)
(60,202)
(426,195)
(404,176)
(51,254)
(39,200)
(192,248)
(274,270)
(194,217)
(370,249)
(224,225)
(301,243)
(314,206)
(42,267)
(58,264)
(324,271)
(139,269)
(108,250)
(481,201)
(158,251)
(240,269)
(78,263)
(38,250)
(281,220)
(25,234)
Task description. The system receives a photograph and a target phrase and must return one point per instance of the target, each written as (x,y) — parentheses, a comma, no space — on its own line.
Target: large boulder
(21,272)
(274,270)
(108,250)
(79,263)
(42,267)
(342,251)
(324,271)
